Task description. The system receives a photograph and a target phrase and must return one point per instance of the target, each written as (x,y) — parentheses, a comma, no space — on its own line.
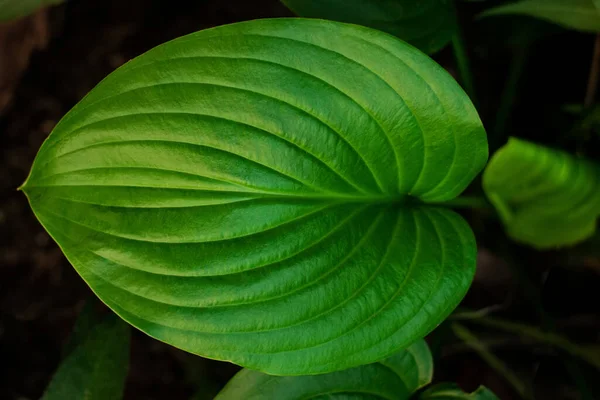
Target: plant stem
(466,202)
(507,100)
(463,64)
(494,362)
(552,339)
(592,86)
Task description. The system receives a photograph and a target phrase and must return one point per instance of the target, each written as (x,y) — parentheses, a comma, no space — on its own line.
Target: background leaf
(546,197)
(95,369)
(397,377)
(426,24)
(255,193)
(575,14)
(13,9)
(87,320)
(451,391)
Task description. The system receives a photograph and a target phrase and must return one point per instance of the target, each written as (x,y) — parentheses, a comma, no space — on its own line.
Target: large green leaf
(581,15)
(426,24)
(546,197)
(451,391)
(12,9)
(97,367)
(396,377)
(255,193)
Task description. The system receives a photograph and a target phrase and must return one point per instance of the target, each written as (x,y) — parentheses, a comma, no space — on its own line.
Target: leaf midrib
(333,198)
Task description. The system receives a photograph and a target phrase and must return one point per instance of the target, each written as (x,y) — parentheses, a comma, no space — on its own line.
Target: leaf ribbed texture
(255,193)
(426,24)
(583,15)
(546,197)
(395,378)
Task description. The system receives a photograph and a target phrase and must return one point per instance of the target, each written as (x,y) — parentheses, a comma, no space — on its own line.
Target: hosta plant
(274,193)
(279,194)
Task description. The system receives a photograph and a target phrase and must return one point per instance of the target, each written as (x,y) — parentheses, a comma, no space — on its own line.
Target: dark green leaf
(87,320)
(575,14)
(426,24)
(397,377)
(546,197)
(256,193)
(13,9)
(96,369)
(450,391)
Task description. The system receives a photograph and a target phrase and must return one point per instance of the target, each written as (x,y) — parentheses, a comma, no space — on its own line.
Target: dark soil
(41,294)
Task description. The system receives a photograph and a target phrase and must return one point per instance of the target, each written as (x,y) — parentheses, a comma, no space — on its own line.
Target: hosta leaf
(396,377)
(426,24)
(450,391)
(255,193)
(546,197)
(581,15)
(97,367)
(12,9)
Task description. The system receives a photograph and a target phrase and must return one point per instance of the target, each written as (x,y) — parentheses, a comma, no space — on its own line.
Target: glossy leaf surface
(426,24)
(582,15)
(546,198)
(451,391)
(257,193)
(396,377)
(13,9)
(97,367)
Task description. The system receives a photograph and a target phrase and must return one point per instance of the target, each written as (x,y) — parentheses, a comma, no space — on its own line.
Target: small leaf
(257,193)
(427,24)
(575,14)
(397,377)
(545,197)
(13,9)
(451,391)
(96,369)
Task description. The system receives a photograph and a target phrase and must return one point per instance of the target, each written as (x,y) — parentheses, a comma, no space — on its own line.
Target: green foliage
(13,9)
(545,197)
(96,367)
(87,320)
(396,377)
(426,24)
(451,391)
(257,193)
(581,15)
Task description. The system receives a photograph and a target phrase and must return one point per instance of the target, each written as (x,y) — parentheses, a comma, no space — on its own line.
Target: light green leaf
(426,24)
(545,197)
(255,193)
(574,14)
(13,9)
(451,391)
(96,369)
(397,377)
